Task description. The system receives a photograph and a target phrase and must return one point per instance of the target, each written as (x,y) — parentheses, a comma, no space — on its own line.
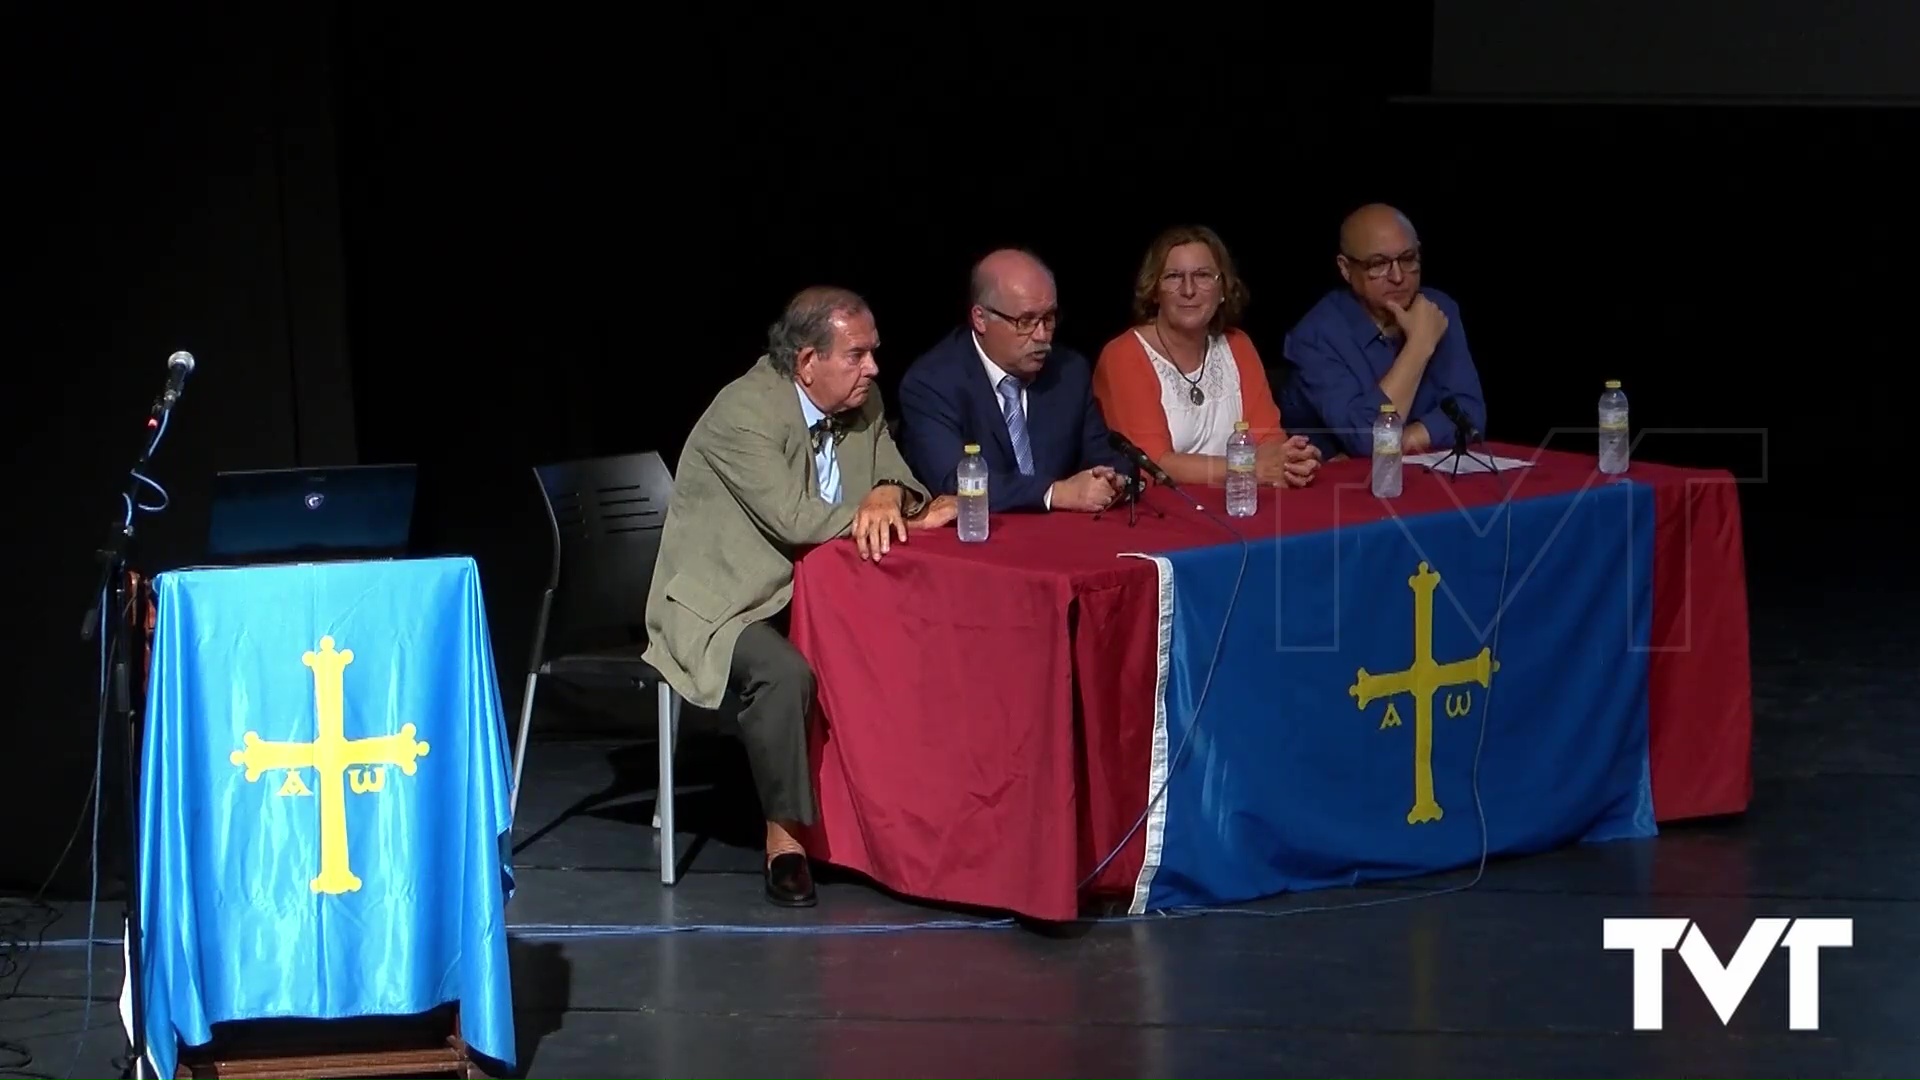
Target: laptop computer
(338,514)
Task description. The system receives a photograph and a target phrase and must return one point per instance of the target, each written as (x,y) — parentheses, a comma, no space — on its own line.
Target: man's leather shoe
(790,881)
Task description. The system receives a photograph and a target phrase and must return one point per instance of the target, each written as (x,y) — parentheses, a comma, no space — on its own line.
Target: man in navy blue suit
(998,381)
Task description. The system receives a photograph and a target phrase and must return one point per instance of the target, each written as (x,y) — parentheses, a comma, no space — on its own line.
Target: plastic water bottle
(972,493)
(1243,488)
(1613,429)
(1386,453)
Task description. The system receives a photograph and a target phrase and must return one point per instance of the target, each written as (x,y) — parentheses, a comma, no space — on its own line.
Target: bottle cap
(971,448)
(1387,408)
(1239,425)
(1613,384)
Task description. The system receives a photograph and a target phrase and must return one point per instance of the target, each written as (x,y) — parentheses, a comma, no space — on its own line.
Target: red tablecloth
(987,709)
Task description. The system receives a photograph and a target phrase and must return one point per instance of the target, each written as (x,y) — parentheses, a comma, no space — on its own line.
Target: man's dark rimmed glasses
(1378,266)
(1025,325)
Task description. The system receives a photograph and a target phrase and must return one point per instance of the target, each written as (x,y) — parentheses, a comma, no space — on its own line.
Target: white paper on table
(1471,462)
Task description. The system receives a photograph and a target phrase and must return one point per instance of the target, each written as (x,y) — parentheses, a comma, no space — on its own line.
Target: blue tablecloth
(324,819)
(1368,716)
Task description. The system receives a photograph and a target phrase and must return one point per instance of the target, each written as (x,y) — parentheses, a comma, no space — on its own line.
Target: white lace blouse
(1202,428)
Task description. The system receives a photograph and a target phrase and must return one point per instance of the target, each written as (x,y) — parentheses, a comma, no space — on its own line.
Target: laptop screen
(358,511)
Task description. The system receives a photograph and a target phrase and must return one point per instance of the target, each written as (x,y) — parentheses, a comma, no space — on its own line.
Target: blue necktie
(1016,423)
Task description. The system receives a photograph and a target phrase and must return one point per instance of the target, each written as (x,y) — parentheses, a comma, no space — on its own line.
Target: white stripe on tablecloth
(1157,768)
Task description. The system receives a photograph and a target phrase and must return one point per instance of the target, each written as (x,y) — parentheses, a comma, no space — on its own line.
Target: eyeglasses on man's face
(1379,266)
(1026,324)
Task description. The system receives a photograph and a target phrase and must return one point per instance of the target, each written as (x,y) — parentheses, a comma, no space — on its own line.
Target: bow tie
(834,425)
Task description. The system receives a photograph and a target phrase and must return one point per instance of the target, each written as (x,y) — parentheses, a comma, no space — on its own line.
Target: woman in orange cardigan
(1178,380)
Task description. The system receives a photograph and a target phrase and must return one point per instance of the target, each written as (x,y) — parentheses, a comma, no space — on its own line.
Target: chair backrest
(606,515)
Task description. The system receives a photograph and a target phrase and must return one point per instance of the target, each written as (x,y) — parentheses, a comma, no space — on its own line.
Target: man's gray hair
(808,324)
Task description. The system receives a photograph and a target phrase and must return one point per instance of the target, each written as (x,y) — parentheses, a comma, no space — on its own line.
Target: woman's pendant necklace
(1194,393)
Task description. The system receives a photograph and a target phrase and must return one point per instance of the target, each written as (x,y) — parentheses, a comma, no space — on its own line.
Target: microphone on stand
(110,619)
(1125,448)
(112,555)
(1465,434)
(179,366)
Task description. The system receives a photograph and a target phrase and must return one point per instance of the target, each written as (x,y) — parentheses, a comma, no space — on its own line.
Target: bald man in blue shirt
(1385,337)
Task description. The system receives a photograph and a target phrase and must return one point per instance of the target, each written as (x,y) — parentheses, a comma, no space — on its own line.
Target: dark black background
(1742,51)
(484,241)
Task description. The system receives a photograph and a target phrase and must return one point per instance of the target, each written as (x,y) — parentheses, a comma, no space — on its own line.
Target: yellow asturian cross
(330,755)
(1424,678)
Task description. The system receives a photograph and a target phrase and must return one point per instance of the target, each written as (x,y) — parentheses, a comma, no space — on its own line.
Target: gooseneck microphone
(1125,448)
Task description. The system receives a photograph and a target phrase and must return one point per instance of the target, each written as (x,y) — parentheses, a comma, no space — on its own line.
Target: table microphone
(1124,446)
(1465,433)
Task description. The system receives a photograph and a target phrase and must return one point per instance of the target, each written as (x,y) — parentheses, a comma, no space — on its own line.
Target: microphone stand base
(1451,463)
(1138,498)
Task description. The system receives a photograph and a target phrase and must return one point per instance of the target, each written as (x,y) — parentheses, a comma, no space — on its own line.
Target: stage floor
(1507,977)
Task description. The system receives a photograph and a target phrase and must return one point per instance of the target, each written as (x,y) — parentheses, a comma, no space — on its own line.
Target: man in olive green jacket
(792,454)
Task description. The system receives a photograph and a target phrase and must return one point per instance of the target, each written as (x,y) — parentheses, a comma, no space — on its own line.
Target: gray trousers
(775,686)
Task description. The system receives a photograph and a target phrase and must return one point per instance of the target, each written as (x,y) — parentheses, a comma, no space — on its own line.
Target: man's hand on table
(877,522)
(940,512)
(1090,491)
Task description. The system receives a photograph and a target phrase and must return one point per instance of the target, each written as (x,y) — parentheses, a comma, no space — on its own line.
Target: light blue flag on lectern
(323,802)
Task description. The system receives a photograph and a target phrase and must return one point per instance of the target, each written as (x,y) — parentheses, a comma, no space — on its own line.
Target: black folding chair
(606,515)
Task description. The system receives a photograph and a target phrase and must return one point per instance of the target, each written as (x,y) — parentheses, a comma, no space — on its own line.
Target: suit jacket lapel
(779,406)
(855,457)
(1040,420)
